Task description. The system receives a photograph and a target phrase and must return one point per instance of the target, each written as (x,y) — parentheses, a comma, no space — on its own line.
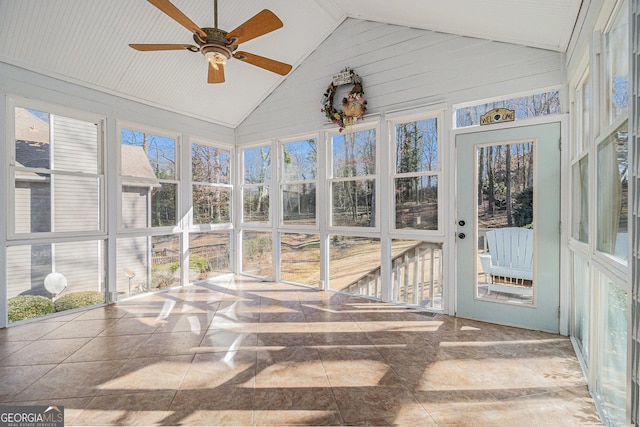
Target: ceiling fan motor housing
(215,44)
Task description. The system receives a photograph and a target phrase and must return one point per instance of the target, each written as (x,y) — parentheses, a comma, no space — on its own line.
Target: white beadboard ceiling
(86,41)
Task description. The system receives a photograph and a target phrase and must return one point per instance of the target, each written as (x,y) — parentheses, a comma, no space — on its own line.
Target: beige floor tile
(358,404)
(212,370)
(170,344)
(79,329)
(71,380)
(217,406)
(131,326)
(28,331)
(140,409)
(296,406)
(100,348)
(148,374)
(44,352)
(17,378)
(291,374)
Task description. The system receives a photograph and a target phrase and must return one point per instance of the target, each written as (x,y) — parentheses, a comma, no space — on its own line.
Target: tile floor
(238,351)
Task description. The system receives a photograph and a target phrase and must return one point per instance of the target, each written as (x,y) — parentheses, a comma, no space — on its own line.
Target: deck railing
(416,276)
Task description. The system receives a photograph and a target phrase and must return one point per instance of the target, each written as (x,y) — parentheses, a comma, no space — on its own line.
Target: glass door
(508,226)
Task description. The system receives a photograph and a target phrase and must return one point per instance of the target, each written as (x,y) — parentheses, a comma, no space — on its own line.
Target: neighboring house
(134,254)
(51,197)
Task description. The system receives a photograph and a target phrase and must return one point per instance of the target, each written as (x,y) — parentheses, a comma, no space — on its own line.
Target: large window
(299,175)
(57,174)
(57,183)
(416,174)
(211,184)
(256,184)
(353,179)
(149,179)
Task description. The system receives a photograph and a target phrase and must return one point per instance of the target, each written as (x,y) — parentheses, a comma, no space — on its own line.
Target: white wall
(400,67)
(18,81)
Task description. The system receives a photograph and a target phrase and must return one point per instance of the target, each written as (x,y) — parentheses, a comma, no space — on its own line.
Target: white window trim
(13,102)
(281,226)
(268,183)
(192,226)
(335,229)
(391,123)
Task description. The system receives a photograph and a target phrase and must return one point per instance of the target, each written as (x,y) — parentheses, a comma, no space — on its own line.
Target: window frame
(438,115)
(193,227)
(267,183)
(581,150)
(282,182)
(330,180)
(13,102)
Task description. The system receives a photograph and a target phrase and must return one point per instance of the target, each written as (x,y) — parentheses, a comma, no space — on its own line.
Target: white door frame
(452,208)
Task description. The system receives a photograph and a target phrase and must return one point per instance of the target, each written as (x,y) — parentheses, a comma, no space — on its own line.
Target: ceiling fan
(217,45)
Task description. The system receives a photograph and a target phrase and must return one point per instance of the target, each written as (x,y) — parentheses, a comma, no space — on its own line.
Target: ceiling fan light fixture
(216,55)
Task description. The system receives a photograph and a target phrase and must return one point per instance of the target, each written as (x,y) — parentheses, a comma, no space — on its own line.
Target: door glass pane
(504,199)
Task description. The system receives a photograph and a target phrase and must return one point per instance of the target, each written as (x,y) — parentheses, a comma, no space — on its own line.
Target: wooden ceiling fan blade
(262,62)
(262,23)
(173,12)
(153,47)
(216,75)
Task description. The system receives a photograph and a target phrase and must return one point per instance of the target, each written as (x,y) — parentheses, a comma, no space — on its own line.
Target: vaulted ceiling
(86,42)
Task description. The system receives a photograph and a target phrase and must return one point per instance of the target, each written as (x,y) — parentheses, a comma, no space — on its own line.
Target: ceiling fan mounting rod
(215,13)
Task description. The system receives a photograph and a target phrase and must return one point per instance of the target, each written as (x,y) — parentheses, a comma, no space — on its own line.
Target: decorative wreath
(353,104)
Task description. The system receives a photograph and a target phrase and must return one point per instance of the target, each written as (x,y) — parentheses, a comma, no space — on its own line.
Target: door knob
(461,223)
(461,235)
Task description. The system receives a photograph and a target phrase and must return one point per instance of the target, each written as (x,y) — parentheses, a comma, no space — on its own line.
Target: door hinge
(559,144)
(558,312)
